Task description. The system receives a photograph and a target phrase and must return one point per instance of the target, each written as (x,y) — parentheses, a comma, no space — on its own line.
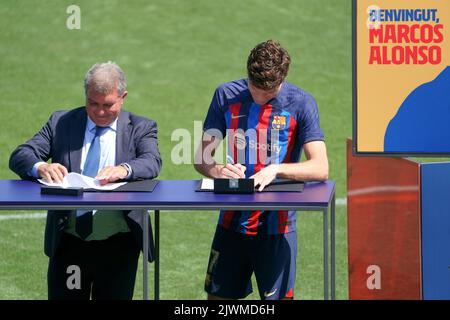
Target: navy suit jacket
(61,140)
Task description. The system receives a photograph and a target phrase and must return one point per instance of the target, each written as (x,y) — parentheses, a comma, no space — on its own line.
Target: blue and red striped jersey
(258,135)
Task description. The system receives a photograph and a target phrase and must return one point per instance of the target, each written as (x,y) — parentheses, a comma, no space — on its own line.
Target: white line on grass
(22,216)
(339,202)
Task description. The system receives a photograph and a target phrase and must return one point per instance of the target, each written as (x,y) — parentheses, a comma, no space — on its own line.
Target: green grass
(184,256)
(174,54)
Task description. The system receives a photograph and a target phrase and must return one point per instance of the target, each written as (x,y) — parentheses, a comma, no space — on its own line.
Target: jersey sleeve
(309,123)
(215,118)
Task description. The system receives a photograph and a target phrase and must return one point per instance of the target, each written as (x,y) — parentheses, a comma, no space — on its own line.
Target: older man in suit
(99,140)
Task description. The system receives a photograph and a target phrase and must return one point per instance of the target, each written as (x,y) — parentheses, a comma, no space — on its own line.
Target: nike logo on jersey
(269,294)
(239,116)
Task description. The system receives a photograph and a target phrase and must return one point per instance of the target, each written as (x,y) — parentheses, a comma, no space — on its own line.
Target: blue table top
(168,194)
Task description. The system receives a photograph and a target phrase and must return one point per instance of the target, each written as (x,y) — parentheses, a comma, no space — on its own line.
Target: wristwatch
(127,167)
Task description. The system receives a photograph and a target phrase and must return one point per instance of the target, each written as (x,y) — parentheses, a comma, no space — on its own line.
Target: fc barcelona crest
(279,122)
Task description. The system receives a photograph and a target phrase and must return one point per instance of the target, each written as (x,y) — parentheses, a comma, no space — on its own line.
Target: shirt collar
(91,125)
(275,100)
(278,98)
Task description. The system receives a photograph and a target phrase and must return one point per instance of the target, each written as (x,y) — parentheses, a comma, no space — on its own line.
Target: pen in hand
(237,168)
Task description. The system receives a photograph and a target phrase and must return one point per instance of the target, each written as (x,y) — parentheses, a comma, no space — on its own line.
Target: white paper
(207,184)
(77,180)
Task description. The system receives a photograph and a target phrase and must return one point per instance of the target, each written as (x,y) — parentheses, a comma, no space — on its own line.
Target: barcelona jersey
(260,135)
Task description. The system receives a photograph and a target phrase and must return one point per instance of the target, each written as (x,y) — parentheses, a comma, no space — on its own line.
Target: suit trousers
(98,269)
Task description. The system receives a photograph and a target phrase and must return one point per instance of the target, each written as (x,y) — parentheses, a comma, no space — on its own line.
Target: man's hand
(52,172)
(265,176)
(234,171)
(111,174)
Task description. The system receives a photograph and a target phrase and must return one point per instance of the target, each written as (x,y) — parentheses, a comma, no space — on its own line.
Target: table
(181,195)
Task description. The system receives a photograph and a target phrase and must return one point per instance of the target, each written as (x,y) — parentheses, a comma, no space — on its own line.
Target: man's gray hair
(105,78)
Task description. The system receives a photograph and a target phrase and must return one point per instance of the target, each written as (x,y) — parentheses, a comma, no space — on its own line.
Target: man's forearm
(146,163)
(22,161)
(309,170)
(209,170)
(145,166)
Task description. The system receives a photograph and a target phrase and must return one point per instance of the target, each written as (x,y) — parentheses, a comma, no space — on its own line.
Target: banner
(401,79)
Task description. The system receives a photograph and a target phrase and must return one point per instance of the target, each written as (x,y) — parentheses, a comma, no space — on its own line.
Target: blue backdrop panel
(435,230)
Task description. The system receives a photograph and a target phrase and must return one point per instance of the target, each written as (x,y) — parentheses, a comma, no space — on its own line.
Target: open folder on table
(135,186)
(87,184)
(277,185)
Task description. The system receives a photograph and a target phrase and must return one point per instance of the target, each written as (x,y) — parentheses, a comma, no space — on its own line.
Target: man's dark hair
(268,65)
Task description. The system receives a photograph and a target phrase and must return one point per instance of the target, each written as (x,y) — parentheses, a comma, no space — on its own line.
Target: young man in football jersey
(267,122)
